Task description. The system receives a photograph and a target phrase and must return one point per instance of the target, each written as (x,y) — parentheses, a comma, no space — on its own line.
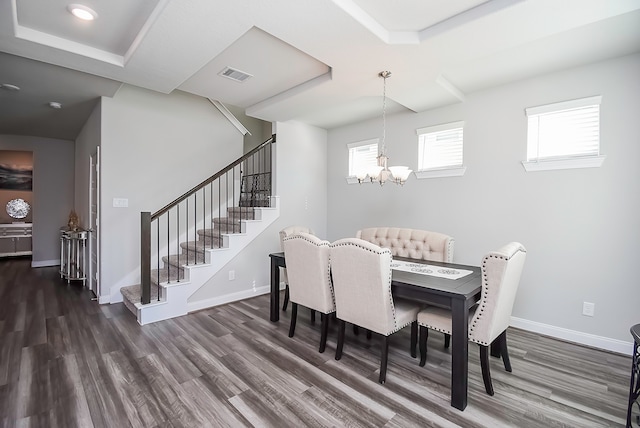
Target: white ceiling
(315,61)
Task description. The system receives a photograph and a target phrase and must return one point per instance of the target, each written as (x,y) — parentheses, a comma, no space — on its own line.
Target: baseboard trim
(227,298)
(613,345)
(45,263)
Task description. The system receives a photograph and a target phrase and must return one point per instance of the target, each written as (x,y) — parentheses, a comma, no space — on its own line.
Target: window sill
(547,165)
(442,172)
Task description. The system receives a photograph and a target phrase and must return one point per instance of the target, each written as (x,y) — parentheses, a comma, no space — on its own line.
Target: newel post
(145,256)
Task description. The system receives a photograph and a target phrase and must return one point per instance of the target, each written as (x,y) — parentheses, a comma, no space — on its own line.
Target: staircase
(190,240)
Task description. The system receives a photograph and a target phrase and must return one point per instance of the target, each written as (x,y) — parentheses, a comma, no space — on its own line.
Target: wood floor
(66,361)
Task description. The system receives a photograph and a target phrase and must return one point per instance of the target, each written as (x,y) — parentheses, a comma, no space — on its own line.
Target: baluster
(195,228)
(168,247)
(178,239)
(211,194)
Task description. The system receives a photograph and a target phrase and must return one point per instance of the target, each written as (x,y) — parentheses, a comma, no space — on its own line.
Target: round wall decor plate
(18,208)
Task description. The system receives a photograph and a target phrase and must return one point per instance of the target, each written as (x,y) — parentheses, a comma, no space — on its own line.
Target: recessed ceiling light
(9,87)
(54,104)
(83,12)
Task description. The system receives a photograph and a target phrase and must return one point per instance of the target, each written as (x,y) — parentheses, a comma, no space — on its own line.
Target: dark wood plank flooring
(66,361)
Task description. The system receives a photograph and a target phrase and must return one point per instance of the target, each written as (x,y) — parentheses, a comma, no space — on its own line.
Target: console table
(73,258)
(15,239)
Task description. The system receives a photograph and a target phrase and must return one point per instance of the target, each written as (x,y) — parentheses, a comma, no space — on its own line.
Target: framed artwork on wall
(16,186)
(16,170)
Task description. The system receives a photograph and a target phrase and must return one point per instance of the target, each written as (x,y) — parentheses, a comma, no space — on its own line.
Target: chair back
(361,274)
(501,272)
(287,231)
(412,243)
(309,272)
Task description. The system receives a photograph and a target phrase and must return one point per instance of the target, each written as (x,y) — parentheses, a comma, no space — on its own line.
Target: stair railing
(198,220)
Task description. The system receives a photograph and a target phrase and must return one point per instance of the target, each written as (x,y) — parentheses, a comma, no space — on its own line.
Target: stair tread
(215,233)
(165,275)
(133,293)
(179,260)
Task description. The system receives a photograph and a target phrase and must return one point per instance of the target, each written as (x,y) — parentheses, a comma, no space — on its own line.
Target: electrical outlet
(232,275)
(588,309)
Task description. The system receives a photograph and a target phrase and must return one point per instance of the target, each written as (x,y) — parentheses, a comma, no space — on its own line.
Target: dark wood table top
(466,286)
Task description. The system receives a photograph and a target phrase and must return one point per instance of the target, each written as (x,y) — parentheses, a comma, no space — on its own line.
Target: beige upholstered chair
(489,320)
(287,231)
(309,279)
(412,243)
(361,274)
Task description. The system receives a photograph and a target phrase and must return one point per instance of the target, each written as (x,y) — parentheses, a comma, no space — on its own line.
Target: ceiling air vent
(233,74)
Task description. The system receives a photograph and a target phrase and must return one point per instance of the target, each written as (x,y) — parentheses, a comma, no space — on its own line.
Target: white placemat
(425,269)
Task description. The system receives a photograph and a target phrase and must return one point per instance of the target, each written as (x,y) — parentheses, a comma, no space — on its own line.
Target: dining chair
(489,319)
(287,231)
(361,273)
(412,243)
(309,279)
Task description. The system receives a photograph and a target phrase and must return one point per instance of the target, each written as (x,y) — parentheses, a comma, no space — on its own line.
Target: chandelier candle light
(381,173)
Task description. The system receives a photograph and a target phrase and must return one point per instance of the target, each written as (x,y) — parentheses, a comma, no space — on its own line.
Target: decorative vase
(73,221)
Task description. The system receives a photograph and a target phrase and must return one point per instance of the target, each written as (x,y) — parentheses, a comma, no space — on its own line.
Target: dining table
(458,293)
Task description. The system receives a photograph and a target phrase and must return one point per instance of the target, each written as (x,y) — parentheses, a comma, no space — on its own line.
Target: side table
(72,255)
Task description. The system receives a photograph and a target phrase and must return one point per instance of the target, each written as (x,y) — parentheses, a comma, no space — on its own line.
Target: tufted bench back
(412,243)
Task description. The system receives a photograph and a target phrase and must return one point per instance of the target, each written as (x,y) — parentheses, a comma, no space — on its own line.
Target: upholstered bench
(412,243)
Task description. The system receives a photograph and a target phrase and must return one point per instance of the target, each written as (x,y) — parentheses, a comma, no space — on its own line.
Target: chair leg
(414,338)
(313,316)
(341,327)
(495,347)
(383,360)
(368,334)
(447,340)
(294,316)
(286,297)
(486,371)
(325,329)
(504,351)
(424,334)
(356,330)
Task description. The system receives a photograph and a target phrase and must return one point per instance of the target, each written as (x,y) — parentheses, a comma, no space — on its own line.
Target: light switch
(120,202)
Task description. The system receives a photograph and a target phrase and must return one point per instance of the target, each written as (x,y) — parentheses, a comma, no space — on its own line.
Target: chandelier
(381,172)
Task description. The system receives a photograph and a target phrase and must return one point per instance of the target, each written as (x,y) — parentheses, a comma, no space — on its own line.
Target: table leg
(275,291)
(459,354)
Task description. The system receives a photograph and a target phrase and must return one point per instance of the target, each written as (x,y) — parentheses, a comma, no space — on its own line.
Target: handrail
(197,220)
(212,178)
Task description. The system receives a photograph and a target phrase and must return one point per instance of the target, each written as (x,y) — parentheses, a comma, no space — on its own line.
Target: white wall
(580,226)
(300,182)
(53,175)
(154,148)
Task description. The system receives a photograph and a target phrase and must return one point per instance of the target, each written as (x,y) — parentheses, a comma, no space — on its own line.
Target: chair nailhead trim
(485,293)
(320,244)
(382,251)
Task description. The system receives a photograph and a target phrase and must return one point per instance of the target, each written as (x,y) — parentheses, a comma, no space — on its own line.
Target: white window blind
(440,146)
(362,156)
(564,130)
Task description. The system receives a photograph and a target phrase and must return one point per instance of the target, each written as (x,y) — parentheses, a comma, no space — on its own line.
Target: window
(564,135)
(362,156)
(440,150)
